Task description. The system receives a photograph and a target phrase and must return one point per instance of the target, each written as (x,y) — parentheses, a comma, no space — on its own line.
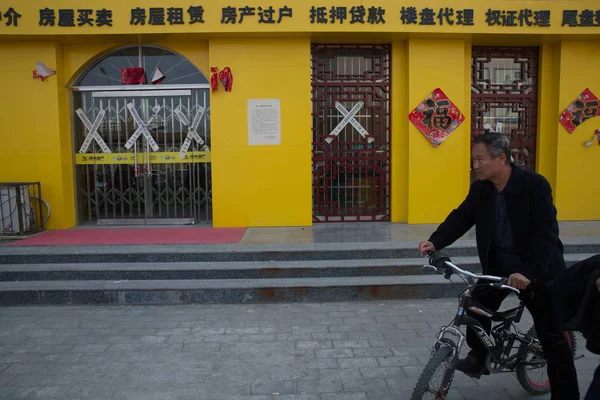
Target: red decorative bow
(214,84)
(226,78)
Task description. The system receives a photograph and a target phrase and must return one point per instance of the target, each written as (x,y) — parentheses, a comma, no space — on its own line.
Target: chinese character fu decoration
(436,117)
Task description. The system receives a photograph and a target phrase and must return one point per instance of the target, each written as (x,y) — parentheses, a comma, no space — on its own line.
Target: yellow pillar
(577,166)
(547,130)
(438,178)
(35,134)
(399,134)
(262,185)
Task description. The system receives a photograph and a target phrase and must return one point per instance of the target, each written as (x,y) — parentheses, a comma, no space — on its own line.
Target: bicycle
(450,340)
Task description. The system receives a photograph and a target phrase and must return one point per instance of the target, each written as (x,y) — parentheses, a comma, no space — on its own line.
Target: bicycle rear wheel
(532,378)
(434,382)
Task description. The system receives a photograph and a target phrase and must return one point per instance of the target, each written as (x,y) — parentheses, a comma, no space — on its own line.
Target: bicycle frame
(504,341)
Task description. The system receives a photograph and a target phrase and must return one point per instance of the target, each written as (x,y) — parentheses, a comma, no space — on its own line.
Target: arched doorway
(142,139)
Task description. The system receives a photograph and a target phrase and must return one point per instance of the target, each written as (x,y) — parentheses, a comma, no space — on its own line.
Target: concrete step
(222,270)
(165,283)
(231,270)
(187,291)
(246,253)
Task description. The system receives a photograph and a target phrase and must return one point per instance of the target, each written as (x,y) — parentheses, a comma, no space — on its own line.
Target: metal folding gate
(351,132)
(143,156)
(504,97)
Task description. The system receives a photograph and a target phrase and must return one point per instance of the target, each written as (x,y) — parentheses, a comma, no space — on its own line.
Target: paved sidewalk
(322,351)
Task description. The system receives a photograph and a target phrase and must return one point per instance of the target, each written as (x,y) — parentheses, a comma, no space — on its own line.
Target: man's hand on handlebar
(518,281)
(426,247)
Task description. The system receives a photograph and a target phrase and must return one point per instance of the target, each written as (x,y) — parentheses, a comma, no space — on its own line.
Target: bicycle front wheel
(434,382)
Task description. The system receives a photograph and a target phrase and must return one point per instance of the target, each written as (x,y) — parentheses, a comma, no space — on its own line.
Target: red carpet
(71,237)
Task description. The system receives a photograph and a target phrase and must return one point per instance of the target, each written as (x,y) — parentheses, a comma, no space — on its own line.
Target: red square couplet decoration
(436,117)
(584,107)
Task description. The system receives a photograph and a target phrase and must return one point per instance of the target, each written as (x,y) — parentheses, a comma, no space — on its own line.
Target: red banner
(132,76)
(436,117)
(583,108)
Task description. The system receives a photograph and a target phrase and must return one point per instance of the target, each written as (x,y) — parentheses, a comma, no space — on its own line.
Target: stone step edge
(193,284)
(249,265)
(229,265)
(248,248)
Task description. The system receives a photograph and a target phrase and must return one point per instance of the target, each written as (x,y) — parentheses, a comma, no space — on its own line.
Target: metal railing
(21,208)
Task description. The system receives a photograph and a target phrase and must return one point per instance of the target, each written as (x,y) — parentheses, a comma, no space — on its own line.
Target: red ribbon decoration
(226,78)
(214,84)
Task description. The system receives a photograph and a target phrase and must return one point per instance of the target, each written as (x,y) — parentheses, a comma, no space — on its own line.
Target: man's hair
(495,143)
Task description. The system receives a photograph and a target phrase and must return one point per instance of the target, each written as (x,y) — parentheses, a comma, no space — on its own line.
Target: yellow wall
(399,134)
(262,185)
(271,185)
(299,22)
(35,138)
(437,179)
(548,109)
(577,185)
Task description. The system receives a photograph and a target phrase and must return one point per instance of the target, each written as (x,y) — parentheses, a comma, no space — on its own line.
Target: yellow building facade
(315,126)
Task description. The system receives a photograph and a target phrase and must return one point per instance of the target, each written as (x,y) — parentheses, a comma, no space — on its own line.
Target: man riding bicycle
(517,237)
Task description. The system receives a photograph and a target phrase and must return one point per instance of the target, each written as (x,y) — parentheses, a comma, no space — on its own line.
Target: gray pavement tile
(365,385)
(304,351)
(350,344)
(397,361)
(330,336)
(90,348)
(382,327)
(372,352)
(364,335)
(294,337)
(360,362)
(398,341)
(12,392)
(320,386)
(173,331)
(339,374)
(269,388)
(411,350)
(382,372)
(334,353)
(317,363)
(485,392)
(345,328)
(314,345)
(20,368)
(19,358)
(344,396)
(258,338)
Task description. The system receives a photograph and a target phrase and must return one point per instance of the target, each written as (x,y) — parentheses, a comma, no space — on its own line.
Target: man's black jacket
(532,218)
(576,300)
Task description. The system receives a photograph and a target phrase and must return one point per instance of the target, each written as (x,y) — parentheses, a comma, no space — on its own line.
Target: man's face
(484,165)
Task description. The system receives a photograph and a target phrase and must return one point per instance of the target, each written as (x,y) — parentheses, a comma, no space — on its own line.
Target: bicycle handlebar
(442,264)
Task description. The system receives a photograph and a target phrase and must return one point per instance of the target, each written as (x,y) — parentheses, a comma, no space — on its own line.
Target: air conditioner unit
(9,210)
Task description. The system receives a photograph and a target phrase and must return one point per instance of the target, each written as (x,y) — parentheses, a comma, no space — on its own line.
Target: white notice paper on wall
(264,122)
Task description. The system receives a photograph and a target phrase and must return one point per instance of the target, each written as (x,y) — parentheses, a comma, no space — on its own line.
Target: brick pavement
(323,351)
